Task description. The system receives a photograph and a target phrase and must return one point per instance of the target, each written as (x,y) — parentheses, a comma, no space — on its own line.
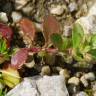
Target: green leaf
(65,44)
(93,53)
(93,41)
(57,40)
(77,35)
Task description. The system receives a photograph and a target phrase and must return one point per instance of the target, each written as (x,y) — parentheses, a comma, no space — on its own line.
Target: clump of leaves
(4,51)
(79,46)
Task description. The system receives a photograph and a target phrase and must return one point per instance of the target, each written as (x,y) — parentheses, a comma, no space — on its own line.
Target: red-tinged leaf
(19,58)
(50,26)
(35,50)
(50,50)
(28,28)
(6,32)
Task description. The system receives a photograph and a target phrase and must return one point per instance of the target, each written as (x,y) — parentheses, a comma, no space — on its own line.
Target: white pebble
(57,10)
(90,76)
(16,16)
(3,17)
(74,80)
(20,3)
(65,73)
(73,7)
(84,81)
(81,94)
(45,70)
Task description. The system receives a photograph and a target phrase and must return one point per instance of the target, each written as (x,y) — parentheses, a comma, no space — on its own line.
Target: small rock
(78,74)
(38,26)
(84,81)
(3,17)
(45,70)
(73,89)
(72,7)
(67,30)
(65,73)
(57,10)
(30,64)
(88,22)
(74,80)
(16,16)
(93,84)
(28,9)
(20,3)
(90,76)
(81,94)
(92,10)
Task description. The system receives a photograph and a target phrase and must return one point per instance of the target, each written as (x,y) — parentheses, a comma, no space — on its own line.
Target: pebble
(73,89)
(45,70)
(16,16)
(30,64)
(72,7)
(65,73)
(84,81)
(92,10)
(3,17)
(81,94)
(28,9)
(90,76)
(38,27)
(93,85)
(20,3)
(74,80)
(57,10)
(89,22)
(67,31)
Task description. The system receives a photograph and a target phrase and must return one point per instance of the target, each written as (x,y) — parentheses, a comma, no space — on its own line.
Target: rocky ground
(78,81)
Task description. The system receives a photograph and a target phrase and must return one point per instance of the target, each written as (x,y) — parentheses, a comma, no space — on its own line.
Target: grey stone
(73,7)
(16,16)
(81,94)
(90,76)
(74,80)
(52,86)
(89,22)
(40,86)
(20,3)
(57,10)
(3,17)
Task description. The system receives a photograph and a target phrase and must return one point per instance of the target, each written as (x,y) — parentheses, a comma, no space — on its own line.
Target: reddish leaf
(19,58)
(6,32)
(50,26)
(28,28)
